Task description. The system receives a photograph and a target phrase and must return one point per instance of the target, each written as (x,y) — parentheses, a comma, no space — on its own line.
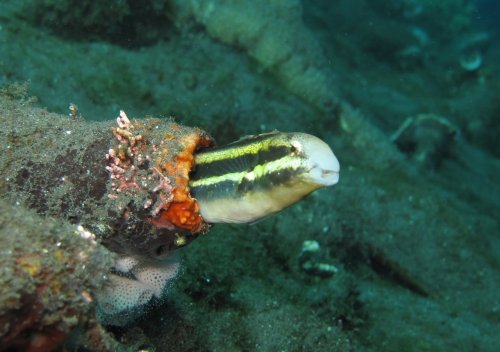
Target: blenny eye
(295,148)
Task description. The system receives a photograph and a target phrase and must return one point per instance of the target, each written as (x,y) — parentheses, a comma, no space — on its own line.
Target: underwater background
(405,92)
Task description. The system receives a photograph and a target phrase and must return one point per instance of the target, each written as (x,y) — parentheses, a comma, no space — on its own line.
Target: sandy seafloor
(413,230)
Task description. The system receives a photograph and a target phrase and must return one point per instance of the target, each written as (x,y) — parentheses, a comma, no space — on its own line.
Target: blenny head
(320,166)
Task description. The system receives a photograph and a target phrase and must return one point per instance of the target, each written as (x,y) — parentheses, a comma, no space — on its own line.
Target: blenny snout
(324,168)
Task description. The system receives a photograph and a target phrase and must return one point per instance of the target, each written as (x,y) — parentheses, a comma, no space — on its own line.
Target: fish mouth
(323,177)
(331,177)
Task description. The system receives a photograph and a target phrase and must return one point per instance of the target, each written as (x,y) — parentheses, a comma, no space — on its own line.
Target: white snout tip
(325,167)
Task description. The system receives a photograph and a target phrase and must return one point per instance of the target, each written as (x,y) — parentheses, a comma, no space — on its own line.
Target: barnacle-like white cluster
(133,283)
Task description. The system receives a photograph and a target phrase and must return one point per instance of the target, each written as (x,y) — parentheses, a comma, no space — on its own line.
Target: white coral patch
(126,264)
(125,298)
(123,294)
(156,276)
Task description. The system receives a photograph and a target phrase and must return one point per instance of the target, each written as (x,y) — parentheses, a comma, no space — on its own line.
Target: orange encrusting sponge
(183,210)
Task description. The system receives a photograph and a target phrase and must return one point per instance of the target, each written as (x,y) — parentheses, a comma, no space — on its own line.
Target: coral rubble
(50,275)
(134,199)
(129,189)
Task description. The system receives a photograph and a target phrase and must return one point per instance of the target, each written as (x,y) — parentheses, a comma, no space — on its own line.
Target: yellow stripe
(275,140)
(259,171)
(235,177)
